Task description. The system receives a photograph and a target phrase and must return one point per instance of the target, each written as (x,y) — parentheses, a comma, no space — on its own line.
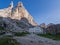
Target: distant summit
(17,13)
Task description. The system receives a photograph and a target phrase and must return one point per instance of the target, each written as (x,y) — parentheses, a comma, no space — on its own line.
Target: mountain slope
(16,19)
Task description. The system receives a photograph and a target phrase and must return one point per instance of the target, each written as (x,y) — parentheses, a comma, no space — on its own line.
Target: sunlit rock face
(18,13)
(6,12)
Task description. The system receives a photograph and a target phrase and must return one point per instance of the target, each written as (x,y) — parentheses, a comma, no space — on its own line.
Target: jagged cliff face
(18,13)
(6,12)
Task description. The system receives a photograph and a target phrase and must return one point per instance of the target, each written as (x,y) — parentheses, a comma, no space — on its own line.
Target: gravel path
(33,39)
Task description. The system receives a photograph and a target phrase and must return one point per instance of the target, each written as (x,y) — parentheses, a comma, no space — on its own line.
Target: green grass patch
(21,33)
(8,41)
(54,37)
(1,28)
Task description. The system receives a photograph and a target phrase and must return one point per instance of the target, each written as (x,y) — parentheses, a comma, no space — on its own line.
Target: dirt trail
(33,39)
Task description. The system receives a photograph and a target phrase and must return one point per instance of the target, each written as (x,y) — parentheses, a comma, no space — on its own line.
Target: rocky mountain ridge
(17,13)
(17,19)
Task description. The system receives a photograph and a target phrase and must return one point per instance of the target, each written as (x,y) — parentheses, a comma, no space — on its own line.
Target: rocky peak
(43,25)
(18,13)
(20,4)
(21,12)
(11,5)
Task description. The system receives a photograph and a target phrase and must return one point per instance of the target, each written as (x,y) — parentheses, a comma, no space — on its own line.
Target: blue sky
(43,11)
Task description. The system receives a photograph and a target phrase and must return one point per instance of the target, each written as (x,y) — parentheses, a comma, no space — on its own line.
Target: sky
(43,11)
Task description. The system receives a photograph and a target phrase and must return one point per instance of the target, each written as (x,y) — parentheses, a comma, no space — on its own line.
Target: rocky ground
(33,39)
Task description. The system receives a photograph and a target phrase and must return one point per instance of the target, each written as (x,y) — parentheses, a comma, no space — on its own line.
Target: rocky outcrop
(6,12)
(43,25)
(16,19)
(17,13)
(20,12)
(53,28)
